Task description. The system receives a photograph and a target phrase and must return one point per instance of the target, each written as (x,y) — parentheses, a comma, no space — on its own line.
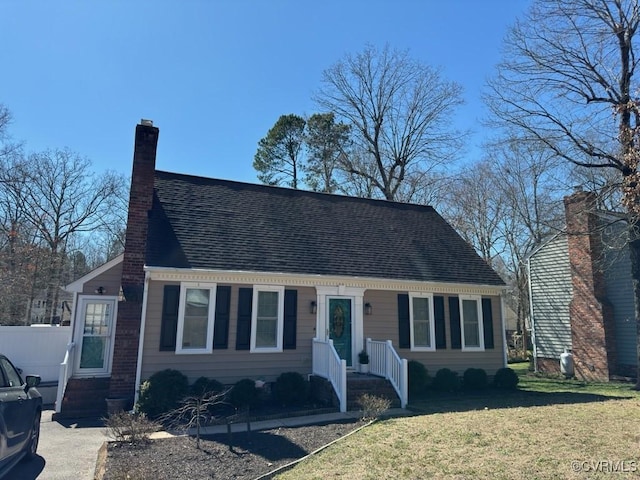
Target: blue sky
(215,75)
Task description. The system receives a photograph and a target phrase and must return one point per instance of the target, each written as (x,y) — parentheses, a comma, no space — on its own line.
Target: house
(581,294)
(231,280)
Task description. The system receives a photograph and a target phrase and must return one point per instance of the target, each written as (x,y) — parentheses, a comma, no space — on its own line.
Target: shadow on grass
(493,399)
(267,445)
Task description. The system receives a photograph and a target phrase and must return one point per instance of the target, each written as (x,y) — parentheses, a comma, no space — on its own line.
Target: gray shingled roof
(218,224)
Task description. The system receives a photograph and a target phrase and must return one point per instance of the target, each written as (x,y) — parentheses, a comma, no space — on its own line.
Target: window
(195,318)
(267,319)
(471,323)
(421,322)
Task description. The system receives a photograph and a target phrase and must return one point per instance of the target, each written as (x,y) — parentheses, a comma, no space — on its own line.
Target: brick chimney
(592,323)
(125,354)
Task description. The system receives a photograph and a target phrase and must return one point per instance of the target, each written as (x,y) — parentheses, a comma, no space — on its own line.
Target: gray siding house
(233,280)
(581,295)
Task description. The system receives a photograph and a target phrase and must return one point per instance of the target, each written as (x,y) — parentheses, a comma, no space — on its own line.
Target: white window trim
(254,318)
(432,328)
(210,319)
(478,300)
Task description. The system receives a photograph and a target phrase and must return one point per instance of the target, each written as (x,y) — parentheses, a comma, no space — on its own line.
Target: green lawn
(548,429)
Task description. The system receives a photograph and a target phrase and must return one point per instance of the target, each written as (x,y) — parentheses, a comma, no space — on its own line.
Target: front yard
(550,428)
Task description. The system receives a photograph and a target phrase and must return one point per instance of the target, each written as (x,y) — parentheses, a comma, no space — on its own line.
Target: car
(20,412)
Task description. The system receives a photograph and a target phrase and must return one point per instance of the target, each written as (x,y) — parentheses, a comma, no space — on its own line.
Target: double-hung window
(195,318)
(421,322)
(267,318)
(471,322)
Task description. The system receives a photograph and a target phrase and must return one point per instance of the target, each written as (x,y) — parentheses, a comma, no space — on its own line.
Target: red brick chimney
(592,323)
(125,353)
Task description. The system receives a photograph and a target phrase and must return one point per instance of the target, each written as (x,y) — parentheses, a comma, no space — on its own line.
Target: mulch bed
(245,455)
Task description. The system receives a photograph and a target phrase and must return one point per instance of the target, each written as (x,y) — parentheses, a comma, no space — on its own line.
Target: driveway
(67,450)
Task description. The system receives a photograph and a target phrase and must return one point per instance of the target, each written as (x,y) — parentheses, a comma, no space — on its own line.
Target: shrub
(474,379)
(506,379)
(372,406)
(204,385)
(418,377)
(134,428)
(291,388)
(446,380)
(162,392)
(244,394)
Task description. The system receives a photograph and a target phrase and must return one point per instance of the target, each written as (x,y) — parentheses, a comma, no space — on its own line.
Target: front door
(94,335)
(340,327)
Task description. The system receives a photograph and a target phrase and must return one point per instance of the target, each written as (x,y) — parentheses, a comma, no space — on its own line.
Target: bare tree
(400,113)
(568,81)
(59,197)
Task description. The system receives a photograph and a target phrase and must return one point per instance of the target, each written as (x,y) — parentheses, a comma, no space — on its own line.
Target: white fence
(37,350)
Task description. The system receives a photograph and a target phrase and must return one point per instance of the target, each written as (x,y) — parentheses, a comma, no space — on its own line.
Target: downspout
(531,319)
(143,322)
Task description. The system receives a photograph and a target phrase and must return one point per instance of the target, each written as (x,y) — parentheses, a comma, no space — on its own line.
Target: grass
(549,428)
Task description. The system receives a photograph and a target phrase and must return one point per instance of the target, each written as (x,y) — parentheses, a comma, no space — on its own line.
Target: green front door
(340,327)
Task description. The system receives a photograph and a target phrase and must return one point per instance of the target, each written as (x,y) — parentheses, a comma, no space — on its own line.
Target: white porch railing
(327,364)
(385,362)
(66,369)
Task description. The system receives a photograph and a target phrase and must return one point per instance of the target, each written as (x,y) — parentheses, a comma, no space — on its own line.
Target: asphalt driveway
(67,450)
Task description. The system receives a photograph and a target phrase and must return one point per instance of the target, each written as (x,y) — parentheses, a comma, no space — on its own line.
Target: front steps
(357,385)
(85,397)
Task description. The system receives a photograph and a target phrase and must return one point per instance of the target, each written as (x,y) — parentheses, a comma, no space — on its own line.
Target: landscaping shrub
(474,379)
(162,392)
(418,377)
(506,379)
(291,389)
(205,385)
(373,407)
(130,427)
(244,394)
(446,380)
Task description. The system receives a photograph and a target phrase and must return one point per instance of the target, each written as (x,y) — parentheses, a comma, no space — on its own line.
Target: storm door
(94,335)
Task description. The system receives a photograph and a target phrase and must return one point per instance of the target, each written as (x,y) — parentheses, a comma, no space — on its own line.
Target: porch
(387,375)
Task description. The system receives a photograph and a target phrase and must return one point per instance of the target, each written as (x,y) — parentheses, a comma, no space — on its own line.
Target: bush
(446,380)
(204,385)
(244,394)
(134,428)
(162,392)
(372,406)
(291,389)
(418,377)
(474,379)
(506,379)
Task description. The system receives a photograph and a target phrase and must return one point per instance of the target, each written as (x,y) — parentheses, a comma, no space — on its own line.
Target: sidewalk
(288,422)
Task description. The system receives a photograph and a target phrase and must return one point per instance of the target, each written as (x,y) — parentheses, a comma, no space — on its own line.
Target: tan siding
(109,280)
(383,325)
(229,365)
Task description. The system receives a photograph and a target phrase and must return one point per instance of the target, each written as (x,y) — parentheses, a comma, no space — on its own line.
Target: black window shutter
(290,319)
(404,331)
(454,321)
(487,320)
(243,337)
(438,312)
(221,323)
(169,325)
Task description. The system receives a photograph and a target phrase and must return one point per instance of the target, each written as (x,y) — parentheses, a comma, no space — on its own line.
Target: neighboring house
(581,294)
(232,280)
(37,308)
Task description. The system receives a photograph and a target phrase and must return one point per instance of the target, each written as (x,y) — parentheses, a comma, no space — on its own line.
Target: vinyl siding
(551,291)
(382,324)
(620,293)
(229,365)
(109,280)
